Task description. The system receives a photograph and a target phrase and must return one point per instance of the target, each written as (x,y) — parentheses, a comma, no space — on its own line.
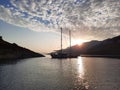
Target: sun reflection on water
(81,82)
(80,68)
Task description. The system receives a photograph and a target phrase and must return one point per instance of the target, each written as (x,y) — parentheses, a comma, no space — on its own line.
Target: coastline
(105,56)
(12,51)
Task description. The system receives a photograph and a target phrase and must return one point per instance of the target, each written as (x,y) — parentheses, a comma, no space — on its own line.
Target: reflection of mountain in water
(13,51)
(109,47)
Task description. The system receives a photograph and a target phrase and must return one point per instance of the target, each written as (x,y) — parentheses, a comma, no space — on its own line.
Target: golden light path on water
(81,79)
(80,68)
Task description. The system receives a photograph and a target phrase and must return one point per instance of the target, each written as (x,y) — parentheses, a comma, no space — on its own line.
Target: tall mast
(70,42)
(61,40)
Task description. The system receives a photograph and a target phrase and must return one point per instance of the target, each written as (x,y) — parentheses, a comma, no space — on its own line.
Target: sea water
(83,73)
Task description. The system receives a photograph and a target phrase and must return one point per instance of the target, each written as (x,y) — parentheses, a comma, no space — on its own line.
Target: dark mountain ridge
(13,51)
(106,48)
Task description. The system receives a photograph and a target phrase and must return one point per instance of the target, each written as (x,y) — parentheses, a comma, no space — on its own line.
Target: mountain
(9,51)
(106,48)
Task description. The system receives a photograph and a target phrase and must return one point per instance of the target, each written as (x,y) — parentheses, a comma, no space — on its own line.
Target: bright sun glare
(78,42)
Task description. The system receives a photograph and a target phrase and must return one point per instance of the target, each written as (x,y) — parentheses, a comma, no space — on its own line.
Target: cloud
(87,18)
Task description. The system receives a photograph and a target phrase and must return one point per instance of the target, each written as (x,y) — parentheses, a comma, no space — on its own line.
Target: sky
(35,24)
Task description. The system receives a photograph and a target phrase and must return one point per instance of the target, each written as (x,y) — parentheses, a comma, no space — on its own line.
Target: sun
(77,42)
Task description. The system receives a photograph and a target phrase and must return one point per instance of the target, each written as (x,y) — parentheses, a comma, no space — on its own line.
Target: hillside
(10,51)
(108,48)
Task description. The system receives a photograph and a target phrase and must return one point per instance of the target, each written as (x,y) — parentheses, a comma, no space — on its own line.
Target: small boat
(60,54)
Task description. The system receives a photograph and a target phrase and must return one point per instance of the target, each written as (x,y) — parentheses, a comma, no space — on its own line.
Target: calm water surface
(83,73)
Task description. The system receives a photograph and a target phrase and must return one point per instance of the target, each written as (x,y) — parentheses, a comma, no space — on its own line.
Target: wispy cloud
(85,17)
